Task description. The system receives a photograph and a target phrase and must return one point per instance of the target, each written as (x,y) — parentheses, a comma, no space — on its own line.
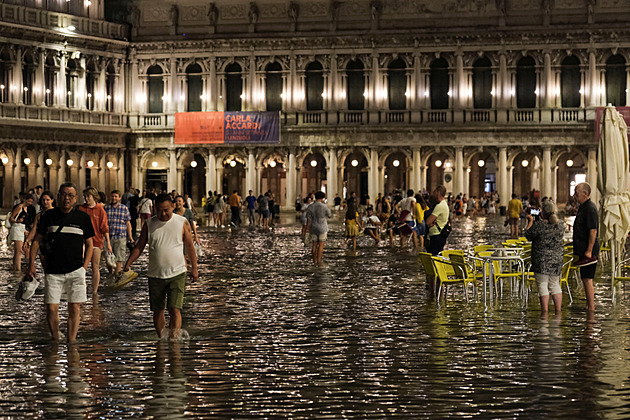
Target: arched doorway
(396,172)
(273,178)
(522,172)
(482,175)
(233,175)
(438,165)
(356,176)
(194,182)
(313,173)
(571,171)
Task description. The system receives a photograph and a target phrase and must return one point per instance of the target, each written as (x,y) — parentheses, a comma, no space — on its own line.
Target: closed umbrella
(613,168)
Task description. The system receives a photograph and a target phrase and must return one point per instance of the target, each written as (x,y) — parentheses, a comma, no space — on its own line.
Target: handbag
(446,230)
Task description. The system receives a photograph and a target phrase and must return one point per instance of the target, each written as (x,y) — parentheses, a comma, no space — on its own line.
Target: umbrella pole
(613,254)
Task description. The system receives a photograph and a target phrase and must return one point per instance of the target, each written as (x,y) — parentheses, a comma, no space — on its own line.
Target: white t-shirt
(371,222)
(166,247)
(408,204)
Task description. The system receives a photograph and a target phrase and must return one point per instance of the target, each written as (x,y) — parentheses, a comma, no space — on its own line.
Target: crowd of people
(68,238)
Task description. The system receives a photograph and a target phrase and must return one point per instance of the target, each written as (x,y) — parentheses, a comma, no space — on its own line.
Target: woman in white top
(145,209)
(17,232)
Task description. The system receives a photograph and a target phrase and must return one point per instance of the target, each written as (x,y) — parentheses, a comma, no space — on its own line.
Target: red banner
(199,127)
(599,111)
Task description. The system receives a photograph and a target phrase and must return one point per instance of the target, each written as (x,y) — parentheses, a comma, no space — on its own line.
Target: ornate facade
(374,95)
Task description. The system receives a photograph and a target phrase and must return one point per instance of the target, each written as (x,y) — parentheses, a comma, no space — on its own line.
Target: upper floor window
(194,92)
(50,75)
(439,82)
(156,89)
(482,83)
(314,87)
(570,81)
(616,80)
(28,75)
(273,86)
(110,83)
(90,84)
(233,87)
(356,85)
(5,70)
(397,84)
(526,83)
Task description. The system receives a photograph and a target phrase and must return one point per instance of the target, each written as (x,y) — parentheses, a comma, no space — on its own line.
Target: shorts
(16,232)
(436,244)
(322,237)
(119,246)
(548,284)
(265,214)
(167,292)
(587,271)
(73,283)
(145,216)
(369,231)
(513,221)
(421,228)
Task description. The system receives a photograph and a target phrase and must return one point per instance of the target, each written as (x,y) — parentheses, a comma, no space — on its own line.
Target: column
(292,91)
(61,170)
(591,174)
(458,187)
(135,86)
(291,180)
(120,173)
(373,175)
(39,168)
(503,187)
(549,82)
(81,84)
(416,88)
(102,169)
(133,159)
(119,88)
(250,176)
(101,91)
(61,88)
(416,170)
(179,185)
(593,94)
(423,178)
(546,174)
(172,170)
(462,93)
(211,172)
(374,87)
(211,92)
(220,179)
(467,181)
(332,88)
(504,89)
(252,95)
(331,181)
(39,96)
(16,89)
(82,179)
(17,171)
(171,90)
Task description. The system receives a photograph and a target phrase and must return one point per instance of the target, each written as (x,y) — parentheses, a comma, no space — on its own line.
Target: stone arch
(343,155)
(266,155)
(187,155)
(144,66)
(234,60)
(386,153)
(515,152)
(158,155)
(192,61)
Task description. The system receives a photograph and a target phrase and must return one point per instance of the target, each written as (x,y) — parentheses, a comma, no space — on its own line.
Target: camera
(535,212)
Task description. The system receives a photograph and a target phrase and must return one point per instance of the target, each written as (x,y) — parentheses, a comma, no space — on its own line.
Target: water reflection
(273,336)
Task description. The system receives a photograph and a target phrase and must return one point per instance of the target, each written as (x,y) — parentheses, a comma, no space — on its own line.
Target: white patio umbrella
(613,175)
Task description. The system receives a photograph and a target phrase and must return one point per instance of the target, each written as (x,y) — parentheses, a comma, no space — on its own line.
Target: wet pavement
(273,336)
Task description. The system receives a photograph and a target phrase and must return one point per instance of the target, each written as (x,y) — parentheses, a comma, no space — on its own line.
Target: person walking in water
(97,214)
(65,236)
(585,242)
(167,234)
(317,225)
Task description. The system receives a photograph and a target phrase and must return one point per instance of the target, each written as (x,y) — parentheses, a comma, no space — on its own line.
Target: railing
(59,21)
(61,115)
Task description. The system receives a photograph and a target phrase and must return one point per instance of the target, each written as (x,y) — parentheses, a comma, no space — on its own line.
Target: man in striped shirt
(119,222)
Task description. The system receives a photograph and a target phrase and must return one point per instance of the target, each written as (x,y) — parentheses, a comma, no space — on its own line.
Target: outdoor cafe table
(488,260)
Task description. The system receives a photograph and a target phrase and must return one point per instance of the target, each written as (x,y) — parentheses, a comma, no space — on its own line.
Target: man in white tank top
(167,234)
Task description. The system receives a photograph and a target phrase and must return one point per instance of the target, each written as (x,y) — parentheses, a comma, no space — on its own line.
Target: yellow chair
(481,248)
(446,255)
(567,263)
(443,279)
(500,272)
(427,264)
(466,269)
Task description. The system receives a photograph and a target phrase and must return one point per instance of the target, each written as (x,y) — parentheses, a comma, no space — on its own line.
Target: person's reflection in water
(169,387)
(66,391)
(587,368)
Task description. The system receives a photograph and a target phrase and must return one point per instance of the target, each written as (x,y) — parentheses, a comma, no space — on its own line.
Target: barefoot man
(167,234)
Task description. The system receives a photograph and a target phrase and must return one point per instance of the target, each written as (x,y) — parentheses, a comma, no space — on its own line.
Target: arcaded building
(373,96)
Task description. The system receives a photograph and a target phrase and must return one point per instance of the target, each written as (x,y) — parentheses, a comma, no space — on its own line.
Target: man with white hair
(585,243)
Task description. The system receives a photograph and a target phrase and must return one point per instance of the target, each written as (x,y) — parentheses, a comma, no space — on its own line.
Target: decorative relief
(354,8)
(232,12)
(526,5)
(156,14)
(193,13)
(613,3)
(570,4)
(274,10)
(315,9)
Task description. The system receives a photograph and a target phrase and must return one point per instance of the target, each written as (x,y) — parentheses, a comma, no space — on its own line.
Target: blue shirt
(251,202)
(117,218)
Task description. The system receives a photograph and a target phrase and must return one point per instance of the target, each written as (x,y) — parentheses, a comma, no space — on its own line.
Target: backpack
(458,205)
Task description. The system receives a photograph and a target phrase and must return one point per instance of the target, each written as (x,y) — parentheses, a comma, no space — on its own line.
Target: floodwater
(273,336)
